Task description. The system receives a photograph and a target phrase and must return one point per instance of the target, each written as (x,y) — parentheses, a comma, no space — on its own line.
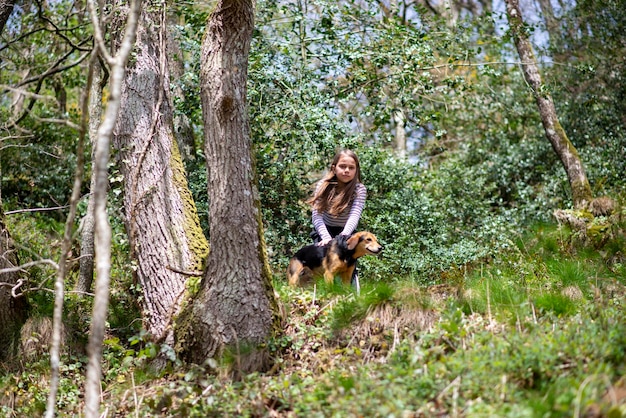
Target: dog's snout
(375,249)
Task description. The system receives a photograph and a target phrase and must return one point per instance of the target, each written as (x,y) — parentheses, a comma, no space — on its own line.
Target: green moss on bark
(197,242)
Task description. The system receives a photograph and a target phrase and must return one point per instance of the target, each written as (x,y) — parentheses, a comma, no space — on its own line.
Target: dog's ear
(354,240)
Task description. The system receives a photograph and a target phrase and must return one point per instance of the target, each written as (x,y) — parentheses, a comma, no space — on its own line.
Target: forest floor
(538,332)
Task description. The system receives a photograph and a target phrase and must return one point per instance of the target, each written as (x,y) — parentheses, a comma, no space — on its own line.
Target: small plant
(355,307)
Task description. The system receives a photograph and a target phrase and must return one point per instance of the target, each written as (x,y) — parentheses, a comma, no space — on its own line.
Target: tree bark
(581,190)
(161,217)
(6,8)
(13,310)
(235,310)
(400,134)
(87,245)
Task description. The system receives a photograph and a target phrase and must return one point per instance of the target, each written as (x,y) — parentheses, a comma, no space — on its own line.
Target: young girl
(339,199)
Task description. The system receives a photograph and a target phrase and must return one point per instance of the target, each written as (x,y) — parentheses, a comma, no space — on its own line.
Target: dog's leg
(329,277)
(346,276)
(294,271)
(356,284)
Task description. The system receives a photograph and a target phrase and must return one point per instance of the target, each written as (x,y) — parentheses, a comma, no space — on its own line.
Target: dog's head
(363,243)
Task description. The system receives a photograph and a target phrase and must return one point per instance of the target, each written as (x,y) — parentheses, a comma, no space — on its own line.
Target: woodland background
(495,295)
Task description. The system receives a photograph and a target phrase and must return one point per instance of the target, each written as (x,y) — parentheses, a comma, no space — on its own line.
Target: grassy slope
(538,332)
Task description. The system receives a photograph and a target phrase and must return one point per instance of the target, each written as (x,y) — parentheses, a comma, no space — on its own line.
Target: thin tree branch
(66,246)
(98,36)
(102,226)
(40,78)
(434,67)
(66,122)
(22,267)
(26,93)
(19,38)
(56,68)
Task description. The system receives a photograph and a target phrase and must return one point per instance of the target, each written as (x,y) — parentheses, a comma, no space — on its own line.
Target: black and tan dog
(337,258)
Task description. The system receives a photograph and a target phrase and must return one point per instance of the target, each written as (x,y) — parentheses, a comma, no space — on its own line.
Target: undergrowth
(540,331)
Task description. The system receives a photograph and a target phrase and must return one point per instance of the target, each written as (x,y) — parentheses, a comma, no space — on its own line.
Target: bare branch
(40,78)
(26,93)
(19,38)
(59,121)
(60,33)
(98,36)
(56,68)
(102,226)
(11,212)
(23,267)
(185,272)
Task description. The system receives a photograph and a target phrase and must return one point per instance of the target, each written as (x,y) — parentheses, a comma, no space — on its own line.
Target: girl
(339,199)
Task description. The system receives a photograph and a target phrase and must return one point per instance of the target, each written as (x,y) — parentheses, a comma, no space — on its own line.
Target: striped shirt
(348,219)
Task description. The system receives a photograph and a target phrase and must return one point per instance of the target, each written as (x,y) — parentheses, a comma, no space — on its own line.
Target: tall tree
(13,308)
(565,150)
(160,215)
(235,307)
(87,229)
(6,8)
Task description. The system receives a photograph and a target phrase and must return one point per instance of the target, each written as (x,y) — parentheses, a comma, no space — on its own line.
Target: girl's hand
(323,242)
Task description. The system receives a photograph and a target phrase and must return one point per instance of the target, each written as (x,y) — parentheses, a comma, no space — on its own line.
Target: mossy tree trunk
(581,190)
(235,310)
(160,215)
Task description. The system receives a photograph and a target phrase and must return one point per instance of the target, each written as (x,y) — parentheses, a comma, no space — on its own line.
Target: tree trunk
(87,246)
(6,8)
(182,127)
(12,309)
(400,135)
(161,217)
(581,190)
(552,25)
(235,309)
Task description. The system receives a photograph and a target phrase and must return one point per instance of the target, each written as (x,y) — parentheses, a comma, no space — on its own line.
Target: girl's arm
(320,226)
(355,212)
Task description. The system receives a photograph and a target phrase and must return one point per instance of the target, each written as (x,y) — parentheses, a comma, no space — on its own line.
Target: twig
(191,273)
(132,378)
(11,212)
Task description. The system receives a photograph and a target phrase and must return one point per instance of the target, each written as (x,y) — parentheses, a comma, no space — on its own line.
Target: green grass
(508,338)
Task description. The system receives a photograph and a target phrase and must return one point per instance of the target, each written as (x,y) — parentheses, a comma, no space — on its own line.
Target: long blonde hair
(326,198)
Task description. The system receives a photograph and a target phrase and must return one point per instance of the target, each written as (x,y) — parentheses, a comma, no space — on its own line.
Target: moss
(581,189)
(197,242)
(183,329)
(581,193)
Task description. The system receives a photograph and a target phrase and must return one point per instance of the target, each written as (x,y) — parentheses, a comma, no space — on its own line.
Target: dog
(337,258)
